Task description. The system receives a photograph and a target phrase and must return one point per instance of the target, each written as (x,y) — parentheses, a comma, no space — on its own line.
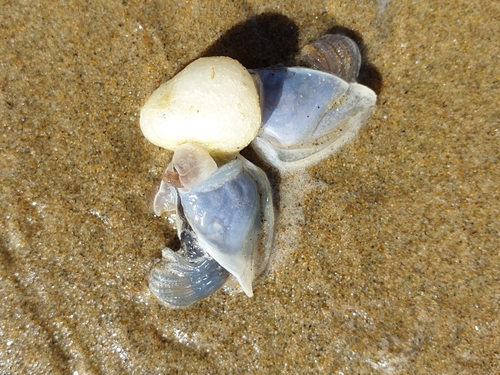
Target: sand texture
(387,256)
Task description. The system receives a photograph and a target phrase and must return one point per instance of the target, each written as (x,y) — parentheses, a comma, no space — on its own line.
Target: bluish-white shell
(307,115)
(226,220)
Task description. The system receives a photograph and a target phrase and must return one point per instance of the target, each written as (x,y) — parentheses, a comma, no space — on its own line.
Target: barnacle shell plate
(308,114)
(226,214)
(225,224)
(213,102)
(336,54)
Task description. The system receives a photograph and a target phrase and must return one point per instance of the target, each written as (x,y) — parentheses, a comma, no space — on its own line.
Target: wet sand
(387,263)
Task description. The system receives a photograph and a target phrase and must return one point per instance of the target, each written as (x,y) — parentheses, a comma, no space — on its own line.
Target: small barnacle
(335,54)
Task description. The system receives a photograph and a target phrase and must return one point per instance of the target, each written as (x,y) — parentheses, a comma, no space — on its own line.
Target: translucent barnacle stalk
(190,165)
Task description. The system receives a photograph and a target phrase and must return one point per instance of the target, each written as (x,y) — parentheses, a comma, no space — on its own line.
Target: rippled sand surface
(387,256)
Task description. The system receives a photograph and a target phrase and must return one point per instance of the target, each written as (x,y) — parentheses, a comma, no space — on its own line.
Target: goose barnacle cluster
(206,114)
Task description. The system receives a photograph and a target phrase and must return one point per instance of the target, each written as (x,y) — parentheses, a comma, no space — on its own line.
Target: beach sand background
(387,258)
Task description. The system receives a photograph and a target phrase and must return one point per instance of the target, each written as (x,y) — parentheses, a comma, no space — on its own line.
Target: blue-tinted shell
(307,114)
(225,225)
